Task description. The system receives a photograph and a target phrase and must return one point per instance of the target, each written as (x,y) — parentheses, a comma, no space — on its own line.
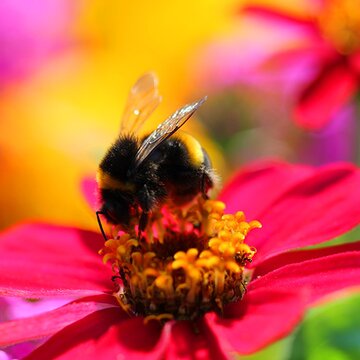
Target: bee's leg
(98,213)
(143,221)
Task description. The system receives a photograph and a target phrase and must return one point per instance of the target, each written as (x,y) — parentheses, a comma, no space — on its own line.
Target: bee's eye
(117,210)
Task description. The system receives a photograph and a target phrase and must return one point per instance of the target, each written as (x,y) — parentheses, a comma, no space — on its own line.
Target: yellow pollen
(186,269)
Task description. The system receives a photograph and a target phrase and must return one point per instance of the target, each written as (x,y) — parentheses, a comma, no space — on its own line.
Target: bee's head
(118,210)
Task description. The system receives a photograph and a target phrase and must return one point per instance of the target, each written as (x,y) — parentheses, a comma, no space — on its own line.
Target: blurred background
(282,81)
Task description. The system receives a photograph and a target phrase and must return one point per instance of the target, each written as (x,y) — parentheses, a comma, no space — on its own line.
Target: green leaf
(278,351)
(351,236)
(330,331)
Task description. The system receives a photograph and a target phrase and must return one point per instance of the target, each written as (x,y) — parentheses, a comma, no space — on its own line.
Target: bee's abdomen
(192,147)
(186,169)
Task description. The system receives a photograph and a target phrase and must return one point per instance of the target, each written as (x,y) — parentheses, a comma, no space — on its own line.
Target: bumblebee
(139,174)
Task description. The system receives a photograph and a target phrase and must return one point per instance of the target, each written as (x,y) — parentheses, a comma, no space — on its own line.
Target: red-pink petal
(190,340)
(293,257)
(262,317)
(106,334)
(247,56)
(293,68)
(38,260)
(325,95)
(279,16)
(256,186)
(318,277)
(321,207)
(31,36)
(89,190)
(48,323)
(354,61)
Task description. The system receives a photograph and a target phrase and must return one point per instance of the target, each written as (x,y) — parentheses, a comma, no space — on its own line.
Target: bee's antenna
(98,213)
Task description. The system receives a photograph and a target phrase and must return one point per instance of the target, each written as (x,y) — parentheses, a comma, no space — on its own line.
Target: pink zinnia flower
(297,205)
(315,55)
(331,36)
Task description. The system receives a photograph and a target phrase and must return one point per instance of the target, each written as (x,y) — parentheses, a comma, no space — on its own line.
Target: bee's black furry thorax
(120,157)
(167,173)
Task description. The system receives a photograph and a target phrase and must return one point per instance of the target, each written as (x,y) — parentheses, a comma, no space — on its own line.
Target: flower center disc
(186,263)
(340,23)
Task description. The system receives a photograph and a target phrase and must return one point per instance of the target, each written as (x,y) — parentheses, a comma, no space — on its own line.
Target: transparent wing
(143,99)
(166,129)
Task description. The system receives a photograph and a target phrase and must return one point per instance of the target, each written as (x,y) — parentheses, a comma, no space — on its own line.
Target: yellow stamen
(161,318)
(183,273)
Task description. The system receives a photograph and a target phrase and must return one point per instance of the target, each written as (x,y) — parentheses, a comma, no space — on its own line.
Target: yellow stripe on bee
(193,147)
(106,181)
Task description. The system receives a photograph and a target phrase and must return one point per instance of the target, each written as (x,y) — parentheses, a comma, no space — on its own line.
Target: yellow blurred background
(58,120)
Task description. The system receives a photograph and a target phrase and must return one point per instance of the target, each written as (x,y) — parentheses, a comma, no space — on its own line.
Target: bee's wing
(143,99)
(166,129)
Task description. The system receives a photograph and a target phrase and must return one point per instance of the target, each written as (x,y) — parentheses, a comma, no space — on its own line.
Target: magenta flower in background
(336,142)
(333,37)
(297,205)
(31,32)
(314,57)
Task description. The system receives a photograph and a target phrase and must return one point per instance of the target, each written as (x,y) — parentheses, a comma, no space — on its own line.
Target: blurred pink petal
(47,323)
(89,190)
(15,308)
(30,32)
(334,143)
(60,262)
(4,356)
(279,51)
(279,17)
(325,95)
(245,55)
(335,80)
